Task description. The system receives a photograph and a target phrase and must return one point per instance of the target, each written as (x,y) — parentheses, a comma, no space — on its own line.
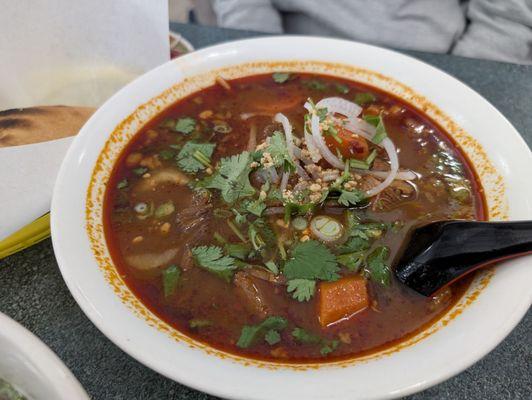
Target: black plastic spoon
(439,253)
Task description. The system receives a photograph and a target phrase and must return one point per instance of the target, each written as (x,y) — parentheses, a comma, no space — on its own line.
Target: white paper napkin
(66,52)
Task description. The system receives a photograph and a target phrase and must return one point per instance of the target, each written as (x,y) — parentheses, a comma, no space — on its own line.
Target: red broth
(219,273)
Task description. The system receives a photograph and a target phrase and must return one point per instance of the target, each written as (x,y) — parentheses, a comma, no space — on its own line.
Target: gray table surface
(33,292)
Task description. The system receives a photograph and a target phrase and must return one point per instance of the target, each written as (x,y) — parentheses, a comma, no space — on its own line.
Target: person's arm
(257,15)
(498,30)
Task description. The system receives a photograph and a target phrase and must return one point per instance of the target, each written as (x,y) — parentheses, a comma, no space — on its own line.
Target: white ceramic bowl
(32,368)
(492,307)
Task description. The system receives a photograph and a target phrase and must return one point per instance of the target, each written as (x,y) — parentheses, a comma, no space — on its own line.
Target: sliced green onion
(235,229)
(299,223)
(164,210)
(326,228)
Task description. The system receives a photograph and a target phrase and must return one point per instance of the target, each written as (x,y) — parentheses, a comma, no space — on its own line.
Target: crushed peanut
(137,239)
(304,238)
(165,228)
(133,159)
(206,114)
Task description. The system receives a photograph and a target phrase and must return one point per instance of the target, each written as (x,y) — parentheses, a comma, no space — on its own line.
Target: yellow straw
(27,236)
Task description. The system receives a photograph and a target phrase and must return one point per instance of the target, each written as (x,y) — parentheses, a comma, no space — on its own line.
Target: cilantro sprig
(194,157)
(279,152)
(310,261)
(212,259)
(267,330)
(232,178)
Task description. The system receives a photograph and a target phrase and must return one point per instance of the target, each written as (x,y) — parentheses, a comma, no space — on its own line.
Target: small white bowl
(490,309)
(32,368)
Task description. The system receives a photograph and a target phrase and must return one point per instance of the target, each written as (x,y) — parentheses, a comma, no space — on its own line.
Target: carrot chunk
(341,299)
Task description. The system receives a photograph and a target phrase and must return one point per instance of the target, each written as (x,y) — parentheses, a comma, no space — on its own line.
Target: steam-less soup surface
(262,215)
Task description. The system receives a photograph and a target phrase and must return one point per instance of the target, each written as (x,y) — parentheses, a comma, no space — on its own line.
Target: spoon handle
(442,252)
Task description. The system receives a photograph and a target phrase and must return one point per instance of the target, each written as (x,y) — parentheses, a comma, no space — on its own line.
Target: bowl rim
(207,387)
(39,358)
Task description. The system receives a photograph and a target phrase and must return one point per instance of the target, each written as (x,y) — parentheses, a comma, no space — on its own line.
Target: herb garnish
(195,156)
(122,184)
(280,77)
(251,334)
(212,259)
(376,266)
(232,178)
(378,122)
(279,152)
(301,289)
(185,125)
(171,277)
(364,98)
(304,337)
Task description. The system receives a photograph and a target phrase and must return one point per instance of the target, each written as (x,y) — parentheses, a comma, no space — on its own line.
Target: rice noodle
(284,181)
(337,105)
(246,116)
(252,141)
(320,143)
(394,167)
(401,175)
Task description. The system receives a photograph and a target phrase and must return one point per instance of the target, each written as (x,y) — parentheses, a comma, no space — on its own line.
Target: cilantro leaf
(238,250)
(212,259)
(280,77)
(185,125)
(261,235)
(376,266)
(301,289)
(297,209)
(352,261)
(305,337)
(279,152)
(315,84)
(341,88)
(171,276)
(256,207)
(140,170)
(232,178)
(311,260)
(364,98)
(251,334)
(195,156)
(378,122)
(272,337)
(328,347)
(348,198)
(122,184)
(353,244)
(166,154)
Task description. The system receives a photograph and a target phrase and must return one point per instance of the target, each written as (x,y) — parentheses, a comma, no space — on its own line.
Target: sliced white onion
(315,154)
(273,174)
(252,140)
(284,181)
(320,143)
(394,167)
(401,175)
(360,127)
(337,105)
(300,171)
(287,127)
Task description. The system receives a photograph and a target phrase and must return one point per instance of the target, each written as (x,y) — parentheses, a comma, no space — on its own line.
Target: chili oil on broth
(212,310)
